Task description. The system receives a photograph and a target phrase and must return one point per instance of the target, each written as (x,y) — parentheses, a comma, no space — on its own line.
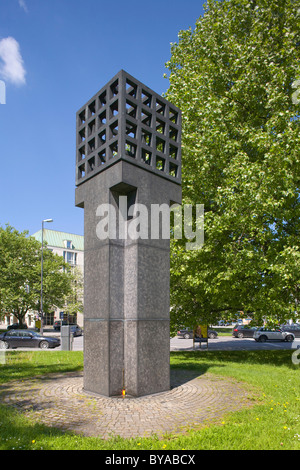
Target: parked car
(186,334)
(243,331)
(17,326)
(272,334)
(27,339)
(57,324)
(295,329)
(76,330)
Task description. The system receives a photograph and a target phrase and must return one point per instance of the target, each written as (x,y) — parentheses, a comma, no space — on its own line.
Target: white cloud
(23,5)
(11,62)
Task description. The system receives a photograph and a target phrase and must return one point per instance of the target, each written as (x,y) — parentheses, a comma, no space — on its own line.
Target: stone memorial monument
(128,160)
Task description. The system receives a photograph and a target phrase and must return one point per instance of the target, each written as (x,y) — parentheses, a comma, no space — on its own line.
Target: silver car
(272,334)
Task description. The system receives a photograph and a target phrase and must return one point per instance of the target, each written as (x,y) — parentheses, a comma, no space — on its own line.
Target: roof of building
(58,239)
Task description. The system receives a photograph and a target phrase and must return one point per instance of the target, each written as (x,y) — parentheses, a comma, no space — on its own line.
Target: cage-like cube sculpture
(126,120)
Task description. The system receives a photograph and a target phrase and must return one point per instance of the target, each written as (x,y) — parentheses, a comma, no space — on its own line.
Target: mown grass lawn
(273,422)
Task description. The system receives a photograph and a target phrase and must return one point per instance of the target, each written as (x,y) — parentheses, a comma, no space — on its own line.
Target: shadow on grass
(201,361)
(23,365)
(180,376)
(19,432)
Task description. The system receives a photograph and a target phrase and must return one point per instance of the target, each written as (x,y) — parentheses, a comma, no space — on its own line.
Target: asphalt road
(222,343)
(228,343)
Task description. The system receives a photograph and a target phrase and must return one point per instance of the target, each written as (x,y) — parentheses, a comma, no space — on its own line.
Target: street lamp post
(42,273)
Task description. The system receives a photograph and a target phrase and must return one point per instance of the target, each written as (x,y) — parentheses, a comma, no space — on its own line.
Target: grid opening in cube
(173,115)
(173,152)
(82,118)
(81,153)
(173,169)
(114,89)
(160,126)
(160,145)
(160,107)
(131,108)
(101,138)
(81,171)
(101,158)
(91,146)
(130,149)
(146,98)
(92,109)
(102,119)
(146,137)
(114,129)
(91,127)
(102,99)
(91,164)
(146,156)
(131,129)
(131,88)
(114,109)
(160,164)
(146,118)
(82,135)
(113,149)
(173,133)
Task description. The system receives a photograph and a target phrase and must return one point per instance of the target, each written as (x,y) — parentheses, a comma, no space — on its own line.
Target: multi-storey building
(70,247)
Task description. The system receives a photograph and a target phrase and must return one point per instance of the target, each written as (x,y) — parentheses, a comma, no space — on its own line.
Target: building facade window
(70,257)
(68,244)
(49,318)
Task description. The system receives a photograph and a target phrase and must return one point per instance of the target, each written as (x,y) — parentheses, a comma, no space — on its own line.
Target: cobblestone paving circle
(59,400)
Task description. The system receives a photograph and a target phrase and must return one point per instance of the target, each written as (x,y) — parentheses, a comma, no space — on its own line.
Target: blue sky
(54,56)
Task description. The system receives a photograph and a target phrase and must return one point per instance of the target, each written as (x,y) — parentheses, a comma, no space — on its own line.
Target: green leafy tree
(20,275)
(234,78)
(73,303)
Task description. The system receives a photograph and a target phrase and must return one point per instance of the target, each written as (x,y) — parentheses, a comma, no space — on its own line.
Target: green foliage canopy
(234,78)
(20,275)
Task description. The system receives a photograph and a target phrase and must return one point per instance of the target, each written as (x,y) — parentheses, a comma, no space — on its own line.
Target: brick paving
(59,400)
